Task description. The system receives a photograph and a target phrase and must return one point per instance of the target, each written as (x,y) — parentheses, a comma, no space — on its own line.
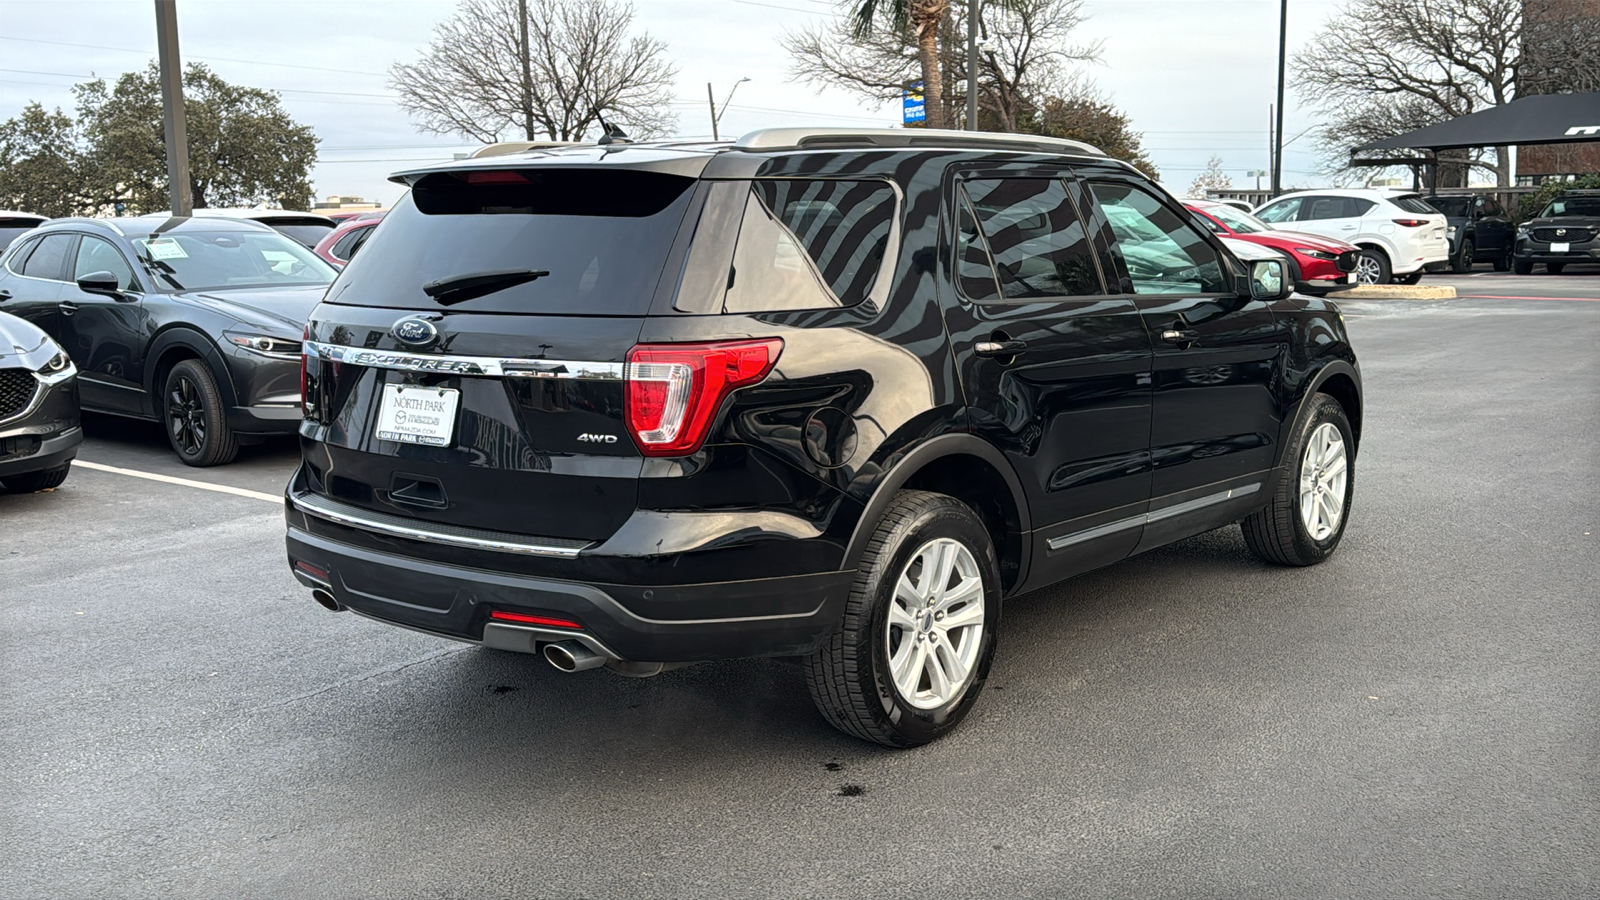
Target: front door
(1056,369)
(104,335)
(1215,417)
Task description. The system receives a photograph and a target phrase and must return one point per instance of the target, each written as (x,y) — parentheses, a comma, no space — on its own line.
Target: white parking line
(186,482)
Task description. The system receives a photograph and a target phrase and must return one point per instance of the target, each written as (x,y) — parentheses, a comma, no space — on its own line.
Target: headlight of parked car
(1523,231)
(57,369)
(1316,254)
(266,345)
(1452,229)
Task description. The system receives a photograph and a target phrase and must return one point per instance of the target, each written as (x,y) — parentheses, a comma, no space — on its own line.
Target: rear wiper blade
(460,288)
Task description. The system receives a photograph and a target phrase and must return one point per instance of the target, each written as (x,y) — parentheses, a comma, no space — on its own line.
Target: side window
(341,248)
(809,244)
(1205,221)
(97,255)
(361,239)
(1036,238)
(1358,206)
(1164,253)
(49,259)
(19,255)
(974,270)
(1325,208)
(1492,208)
(1282,211)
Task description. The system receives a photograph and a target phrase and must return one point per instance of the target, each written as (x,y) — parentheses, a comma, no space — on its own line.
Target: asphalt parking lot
(1415,718)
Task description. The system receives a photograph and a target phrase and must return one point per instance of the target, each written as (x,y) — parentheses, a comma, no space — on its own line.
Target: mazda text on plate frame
(834,395)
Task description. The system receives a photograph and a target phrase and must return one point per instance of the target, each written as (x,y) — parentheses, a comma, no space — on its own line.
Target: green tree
(43,164)
(920,18)
(1093,120)
(244,149)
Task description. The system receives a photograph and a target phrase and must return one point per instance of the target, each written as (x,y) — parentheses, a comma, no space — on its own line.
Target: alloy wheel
(1324,471)
(935,624)
(1368,271)
(186,416)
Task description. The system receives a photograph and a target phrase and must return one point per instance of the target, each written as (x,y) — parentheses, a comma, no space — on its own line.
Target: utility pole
(972,65)
(711,101)
(1277,132)
(181,195)
(527,70)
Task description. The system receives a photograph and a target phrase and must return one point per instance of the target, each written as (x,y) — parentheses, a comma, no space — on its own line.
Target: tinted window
(602,235)
(974,271)
(342,247)
(1413,204)
(1282,211)
(1491,208)
(1452,206)
(1035,238)
(308,233)
(806,243)
(1327,208)
(97,255)
(49,259)
(361,239)
(19,254)
(1163,252)
(204,260)
(11,228)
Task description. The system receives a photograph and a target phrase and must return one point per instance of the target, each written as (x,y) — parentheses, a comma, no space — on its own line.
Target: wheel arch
(970,469)
(1341,381)
(171,347)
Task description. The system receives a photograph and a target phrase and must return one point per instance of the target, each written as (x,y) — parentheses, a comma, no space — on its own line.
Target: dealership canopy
(1540,119)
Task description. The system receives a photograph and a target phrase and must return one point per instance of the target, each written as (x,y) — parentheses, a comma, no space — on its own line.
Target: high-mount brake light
(1411,223)
(497,176)
(675,390)
(501,615)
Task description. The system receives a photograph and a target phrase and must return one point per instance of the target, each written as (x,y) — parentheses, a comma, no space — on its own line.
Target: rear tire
(1413,278)
(1522,266)
(1555,268)
(196,419)
(1372,267)
(904,627)
(1302,524)
(42,480)
(1463,261)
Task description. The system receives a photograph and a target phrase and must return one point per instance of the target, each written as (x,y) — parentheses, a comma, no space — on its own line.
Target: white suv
(1398,233)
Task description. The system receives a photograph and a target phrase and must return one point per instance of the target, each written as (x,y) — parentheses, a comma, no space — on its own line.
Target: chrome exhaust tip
(571,656)
(326,600)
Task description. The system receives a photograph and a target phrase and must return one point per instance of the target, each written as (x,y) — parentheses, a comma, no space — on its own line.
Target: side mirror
(100,283)
(1268,280)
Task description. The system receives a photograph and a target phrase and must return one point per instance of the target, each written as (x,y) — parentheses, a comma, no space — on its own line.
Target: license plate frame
(413,414)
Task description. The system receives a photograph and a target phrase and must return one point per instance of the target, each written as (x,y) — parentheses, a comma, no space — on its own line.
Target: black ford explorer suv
(1565,232)
(832,395)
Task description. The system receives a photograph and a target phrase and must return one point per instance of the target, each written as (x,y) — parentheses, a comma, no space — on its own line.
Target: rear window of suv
(1414,204)
(602,236)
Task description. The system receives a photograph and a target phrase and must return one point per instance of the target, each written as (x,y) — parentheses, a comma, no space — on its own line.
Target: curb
(1396,292)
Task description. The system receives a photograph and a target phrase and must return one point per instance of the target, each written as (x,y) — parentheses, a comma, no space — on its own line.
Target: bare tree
(541,67)
(1383,67)
(1031,54)
(1212,179)
(1560,47)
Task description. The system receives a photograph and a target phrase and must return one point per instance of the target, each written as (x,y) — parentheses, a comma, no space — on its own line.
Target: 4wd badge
(597,438)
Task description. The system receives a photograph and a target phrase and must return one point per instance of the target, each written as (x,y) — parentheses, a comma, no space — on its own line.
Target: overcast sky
(1195,75)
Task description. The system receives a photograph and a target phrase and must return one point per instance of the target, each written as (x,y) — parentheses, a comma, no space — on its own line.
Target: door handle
(1180,335)
(999,348)
(67,307)
(5,295)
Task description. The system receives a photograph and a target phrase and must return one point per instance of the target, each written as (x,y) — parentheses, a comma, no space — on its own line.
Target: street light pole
(1283,57)
(177,137)
(972,65)
(716,114)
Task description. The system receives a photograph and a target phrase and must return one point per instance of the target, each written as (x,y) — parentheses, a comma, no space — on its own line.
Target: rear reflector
(1411,223)
(316,572)
(675,390)
(525,619)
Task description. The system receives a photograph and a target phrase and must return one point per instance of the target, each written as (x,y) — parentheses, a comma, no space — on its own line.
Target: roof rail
(822,138)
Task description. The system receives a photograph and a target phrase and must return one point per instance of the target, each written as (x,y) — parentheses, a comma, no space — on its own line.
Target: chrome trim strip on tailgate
(465,365)
(433,532)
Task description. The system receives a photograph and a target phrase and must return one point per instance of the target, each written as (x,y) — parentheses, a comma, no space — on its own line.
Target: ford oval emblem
(415,330)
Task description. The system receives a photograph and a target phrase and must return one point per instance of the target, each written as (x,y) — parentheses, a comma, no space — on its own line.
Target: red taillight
(525,619)
(675,390)
(1411,223)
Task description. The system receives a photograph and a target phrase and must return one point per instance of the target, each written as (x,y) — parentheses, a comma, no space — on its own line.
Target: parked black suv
(1566,231)
(821,394)
(1479,231)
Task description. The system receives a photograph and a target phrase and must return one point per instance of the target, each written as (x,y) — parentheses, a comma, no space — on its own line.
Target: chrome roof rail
(824,138)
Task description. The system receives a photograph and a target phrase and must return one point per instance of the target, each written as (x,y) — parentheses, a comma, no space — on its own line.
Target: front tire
(1302,524)
(1502,263)
(33,482)
(196,420)
(1463,261)
(918,635)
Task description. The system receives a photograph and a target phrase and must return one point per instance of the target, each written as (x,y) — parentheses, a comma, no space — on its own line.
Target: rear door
(1215,418)
(492,404)
(106,336)
(1055,366)
(1335,217)
(34,279)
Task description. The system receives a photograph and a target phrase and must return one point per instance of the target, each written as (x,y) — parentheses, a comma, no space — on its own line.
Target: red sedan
(342,243)
(1325,264)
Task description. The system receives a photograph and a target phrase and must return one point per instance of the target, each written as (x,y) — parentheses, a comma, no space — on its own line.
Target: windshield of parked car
(208,260)
(1572,206)
(1240,221)
(1452,206)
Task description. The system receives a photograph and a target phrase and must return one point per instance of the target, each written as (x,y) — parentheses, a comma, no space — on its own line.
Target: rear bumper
(671,623)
